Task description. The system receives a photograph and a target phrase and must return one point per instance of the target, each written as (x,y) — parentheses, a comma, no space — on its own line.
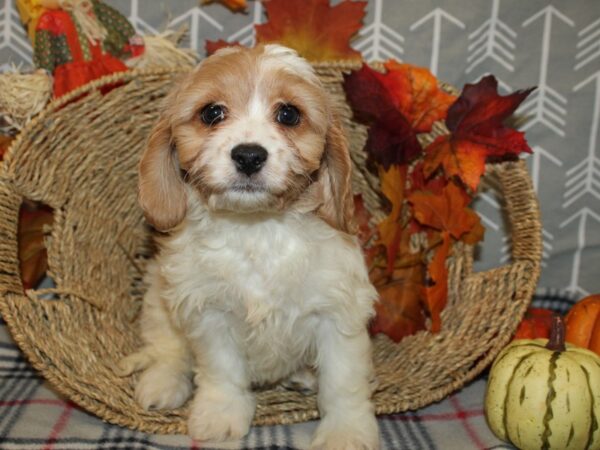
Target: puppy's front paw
(133,363)
(220,414)
(162,387)
(338,433)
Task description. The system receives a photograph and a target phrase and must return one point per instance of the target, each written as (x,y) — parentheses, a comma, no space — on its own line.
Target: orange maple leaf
(459,157)
(316,30)
(393,181)
(415,92)
(447,211)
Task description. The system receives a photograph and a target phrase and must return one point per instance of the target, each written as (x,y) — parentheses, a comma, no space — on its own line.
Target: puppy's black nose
(249,158)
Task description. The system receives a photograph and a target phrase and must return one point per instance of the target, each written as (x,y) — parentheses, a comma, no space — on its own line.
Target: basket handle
(522,208)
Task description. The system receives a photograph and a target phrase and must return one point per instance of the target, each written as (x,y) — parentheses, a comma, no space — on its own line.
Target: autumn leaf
(436,295)
(477,132)
(32,252)
(416,94)
(234,5)
(390,229)
(399,311)
(316,30)
(419,182)
(447,211)
(212,46)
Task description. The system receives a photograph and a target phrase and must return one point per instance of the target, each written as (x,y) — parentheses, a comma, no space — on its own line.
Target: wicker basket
(80,156)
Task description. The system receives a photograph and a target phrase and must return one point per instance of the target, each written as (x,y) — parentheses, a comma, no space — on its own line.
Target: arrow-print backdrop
(553,45)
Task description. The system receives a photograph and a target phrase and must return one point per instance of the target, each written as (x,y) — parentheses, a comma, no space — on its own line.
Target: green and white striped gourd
(543,395)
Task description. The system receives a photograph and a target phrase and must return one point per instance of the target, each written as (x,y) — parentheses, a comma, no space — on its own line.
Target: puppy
(259,276)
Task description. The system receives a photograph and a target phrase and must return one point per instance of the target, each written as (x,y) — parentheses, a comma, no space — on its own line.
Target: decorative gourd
(536,324)
(583,324)
(541,395)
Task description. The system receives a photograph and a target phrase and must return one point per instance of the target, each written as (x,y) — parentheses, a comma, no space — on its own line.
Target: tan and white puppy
(259,276)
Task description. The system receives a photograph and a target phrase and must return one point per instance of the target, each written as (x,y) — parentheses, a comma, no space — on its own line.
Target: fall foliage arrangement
(429,188)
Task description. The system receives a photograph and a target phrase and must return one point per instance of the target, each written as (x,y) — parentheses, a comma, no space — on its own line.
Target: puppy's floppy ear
(336,172)
(161,189)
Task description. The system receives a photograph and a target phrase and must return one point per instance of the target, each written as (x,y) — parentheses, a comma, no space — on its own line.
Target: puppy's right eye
(212,114)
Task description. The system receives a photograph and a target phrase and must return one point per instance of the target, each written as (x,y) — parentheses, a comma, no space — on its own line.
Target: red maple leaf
(477,132)
(316,30)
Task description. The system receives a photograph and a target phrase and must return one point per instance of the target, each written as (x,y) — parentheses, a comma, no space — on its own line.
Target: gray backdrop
(554,45)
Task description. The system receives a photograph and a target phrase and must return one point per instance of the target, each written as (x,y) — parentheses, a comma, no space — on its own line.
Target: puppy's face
(249,130)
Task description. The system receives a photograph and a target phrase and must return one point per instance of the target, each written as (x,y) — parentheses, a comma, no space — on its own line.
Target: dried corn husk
(22,96)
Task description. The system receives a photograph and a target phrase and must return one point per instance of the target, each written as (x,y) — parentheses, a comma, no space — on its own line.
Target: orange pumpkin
(536,324)
(583,323)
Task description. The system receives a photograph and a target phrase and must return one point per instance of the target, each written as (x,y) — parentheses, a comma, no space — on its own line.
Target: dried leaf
(316,30)
(477,132)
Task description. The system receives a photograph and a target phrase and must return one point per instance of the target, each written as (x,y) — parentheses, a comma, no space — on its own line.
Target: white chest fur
(271,278)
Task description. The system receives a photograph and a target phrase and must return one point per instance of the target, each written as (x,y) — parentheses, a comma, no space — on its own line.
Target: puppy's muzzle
(249,158)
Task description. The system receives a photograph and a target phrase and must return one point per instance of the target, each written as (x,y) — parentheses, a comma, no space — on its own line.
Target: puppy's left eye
(288,115)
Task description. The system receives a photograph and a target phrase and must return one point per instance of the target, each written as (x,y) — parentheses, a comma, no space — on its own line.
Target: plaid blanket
(33,416)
